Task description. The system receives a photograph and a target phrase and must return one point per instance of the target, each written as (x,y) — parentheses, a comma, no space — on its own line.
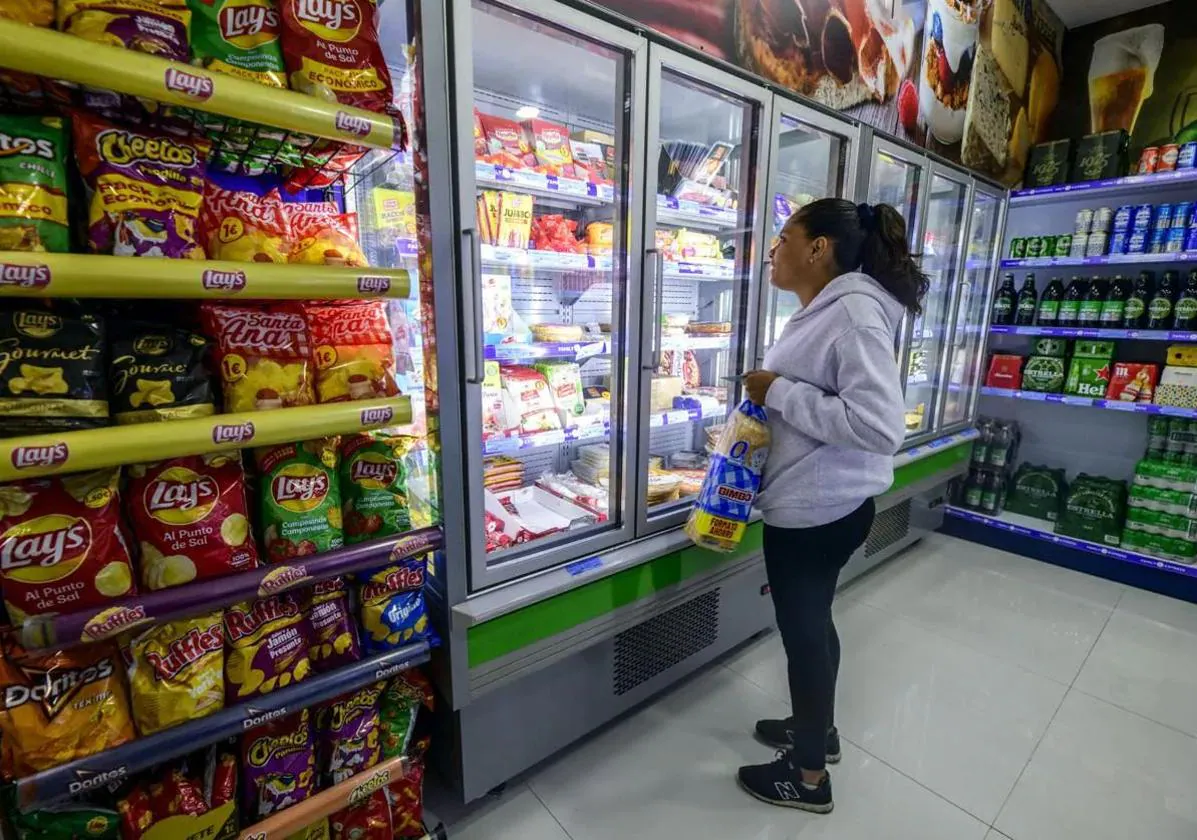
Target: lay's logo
(334,20)
(223,281)
(191,85)
(28,457)
(179,496)
(351,124)
(233,432)
(368,471)
(373,284)
(377,416)
(45,549)
(24,276)
(248,24)
(300,487)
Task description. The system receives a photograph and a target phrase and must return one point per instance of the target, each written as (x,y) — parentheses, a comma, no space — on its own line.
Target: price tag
(581,567)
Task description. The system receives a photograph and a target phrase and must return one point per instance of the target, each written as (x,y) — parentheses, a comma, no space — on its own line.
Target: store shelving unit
(1109,260)
(1090,332)
(1089,402)
(1105,187)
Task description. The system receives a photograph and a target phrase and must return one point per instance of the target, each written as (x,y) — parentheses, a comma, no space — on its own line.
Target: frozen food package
(156,27)
(724,504)
(549,142)
(158,372)
(565,389)
(33,185)
(176,672)
(332,52)
(528,404)
(240,38)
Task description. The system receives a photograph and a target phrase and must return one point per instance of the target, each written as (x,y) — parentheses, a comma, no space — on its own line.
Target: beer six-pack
(1169,228)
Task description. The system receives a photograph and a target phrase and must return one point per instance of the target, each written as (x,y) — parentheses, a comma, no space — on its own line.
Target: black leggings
(803,565)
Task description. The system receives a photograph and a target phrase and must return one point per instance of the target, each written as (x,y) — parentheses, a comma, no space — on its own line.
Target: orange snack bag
(355,357)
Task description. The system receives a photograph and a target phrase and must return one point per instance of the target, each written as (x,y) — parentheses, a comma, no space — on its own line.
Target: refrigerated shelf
(681,213)
(515,442)
(572,350)
(497,177)
(1089,332)
(1104,187)
(1089,402)
(711,342)
(1108,259)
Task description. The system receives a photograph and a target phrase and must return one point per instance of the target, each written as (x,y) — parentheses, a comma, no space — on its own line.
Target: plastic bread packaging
(724,504)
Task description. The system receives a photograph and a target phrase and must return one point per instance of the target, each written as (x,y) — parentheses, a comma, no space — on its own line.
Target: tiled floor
(983,696)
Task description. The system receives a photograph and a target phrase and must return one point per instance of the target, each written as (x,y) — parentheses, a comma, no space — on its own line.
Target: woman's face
(796,256)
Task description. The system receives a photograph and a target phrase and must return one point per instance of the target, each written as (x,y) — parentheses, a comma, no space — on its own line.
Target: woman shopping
(831,388)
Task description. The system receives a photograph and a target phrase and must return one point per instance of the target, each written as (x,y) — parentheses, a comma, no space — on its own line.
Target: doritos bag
(724,504)
(33,185)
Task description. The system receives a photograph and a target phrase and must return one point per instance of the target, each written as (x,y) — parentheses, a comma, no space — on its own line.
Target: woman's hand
(756,384)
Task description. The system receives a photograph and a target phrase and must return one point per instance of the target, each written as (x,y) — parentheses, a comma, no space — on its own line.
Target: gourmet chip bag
(355,356)
(267,643)
(145,189)
(733,477)
(67,820)
(406,795)
(367,820)
(176,672)
(393,610)
(299,498)
(374,485)
(398,707)
(334,631)
(29,12)
(62,544)
(278,765)
(157,372)
(238,37)
(349,734)
(58,707)
(51,371)
(157,27)
(264,355)
(323,236)
(190,516)
(243,226)
(332,52)
(33,188)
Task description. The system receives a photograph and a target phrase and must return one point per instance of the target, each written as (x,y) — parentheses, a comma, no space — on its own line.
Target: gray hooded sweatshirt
(836,410)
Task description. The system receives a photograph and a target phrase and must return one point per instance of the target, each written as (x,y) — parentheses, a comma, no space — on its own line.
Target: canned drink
(1096,244)
(1180,214)
(1122,219)
(1187,159)
(1163,217)
(1138,242)
(1063,246)
(1141,218)
(1103,217)
(1080,242)
(1149,160)
(1018,248)
(1169,155)
(1084,220)
(1175,243)
(1157,436)
(1118,244)
(1191,239)
(1034,247)
(1048,248)
(1159,239)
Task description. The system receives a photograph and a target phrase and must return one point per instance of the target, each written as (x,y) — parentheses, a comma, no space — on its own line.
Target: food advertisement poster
(1136,72)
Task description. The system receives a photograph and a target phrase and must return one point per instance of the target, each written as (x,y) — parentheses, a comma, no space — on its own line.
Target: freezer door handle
(472,300)
(770,310)
(653,355)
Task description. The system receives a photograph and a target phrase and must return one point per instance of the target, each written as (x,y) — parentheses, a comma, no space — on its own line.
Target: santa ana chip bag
(724,504)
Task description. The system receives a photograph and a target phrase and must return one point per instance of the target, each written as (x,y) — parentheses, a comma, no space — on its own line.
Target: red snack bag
(136,815)
(264,355)
(332,52)
(328,160)
(62,544)
(505,142)
(354,351)
(191,517)
(369,820)
(176,794)
(406,795)
(322,236)
(224,779)
(243,226)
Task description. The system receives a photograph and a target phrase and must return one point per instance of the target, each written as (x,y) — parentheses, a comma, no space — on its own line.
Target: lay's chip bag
(268,643)
(300,498)
(238,37)
(374,485)
(332,52)
(33,187)
(724,504)
(176,672)
(58,707)
(157,372)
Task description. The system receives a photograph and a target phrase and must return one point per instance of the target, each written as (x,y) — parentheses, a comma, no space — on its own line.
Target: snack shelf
(1088,332)
(697,342)
(119,616)
(1108,186)
(1108,259)
(1026,526)
(1089,402)
(505,444)
(57,55)
(115,765)
(40,275)
(678,212)
(915,453)
(64,452)
(574,350)
(496,176)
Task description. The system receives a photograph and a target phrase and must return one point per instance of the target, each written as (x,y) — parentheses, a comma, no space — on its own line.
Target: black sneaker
(780,735)
(780,783)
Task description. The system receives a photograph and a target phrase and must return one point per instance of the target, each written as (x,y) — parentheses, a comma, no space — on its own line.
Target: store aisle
(982,696)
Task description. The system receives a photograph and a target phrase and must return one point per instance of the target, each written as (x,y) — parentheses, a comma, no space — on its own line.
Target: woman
(831,387)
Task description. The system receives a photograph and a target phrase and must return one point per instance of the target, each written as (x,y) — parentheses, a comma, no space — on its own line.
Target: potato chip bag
(176,672)
(348,740)
(334,632)
(354,353)
(397,710)
(145,189)
(33,186)
(332,52)
(299,498)
(157,27)
(62,544)
(278,765)
(370,819)
(267,646)
(29,12)
(60,820)
(393,611)
(157,372)
(406,795)
(264,355)
(323,236)
(243,226)
(374,485)
(238,37)
(51,371)
(58,707)
(191,518)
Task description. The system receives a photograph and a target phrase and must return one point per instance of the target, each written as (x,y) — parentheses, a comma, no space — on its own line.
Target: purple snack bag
(334,632)
(156,27)
(350,733)
(267,644)
(278,765)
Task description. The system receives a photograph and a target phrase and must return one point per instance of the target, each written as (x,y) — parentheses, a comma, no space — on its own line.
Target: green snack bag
(1043,373)
(62,821)
(374,482)
(397,709)
(33,189)
(240,38)
(300,498)
(1036,491)
(1088,377)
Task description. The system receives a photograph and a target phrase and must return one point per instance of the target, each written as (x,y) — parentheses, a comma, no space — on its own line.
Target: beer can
(1175,243)
(1118,242)
(1191,239)
(1084,220)
(1095,246)
(1187,159)
(1080,243)
(1159,238)
(1180,214)
(1169,155)
(1122,219)
(1149,160)
(1141,218)
(1063,246)
(1034,247)
(1138,242)
(1018,248)
(1103,217)
(1163,217)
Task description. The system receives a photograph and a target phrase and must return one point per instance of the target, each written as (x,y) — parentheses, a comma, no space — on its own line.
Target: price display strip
(1109,186)
(64,452)
(112,766)
(119,616)
(1089,402)
(924,450)
(1108,259)
(494,176)
(1071,542)
(1089,332)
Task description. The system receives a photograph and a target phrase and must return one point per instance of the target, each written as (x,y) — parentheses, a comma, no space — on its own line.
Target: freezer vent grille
(889,527)
(656,645)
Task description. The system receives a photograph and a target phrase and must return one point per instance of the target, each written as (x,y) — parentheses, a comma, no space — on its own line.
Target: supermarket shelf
(563,261)
(61,56)
(115,765)
(495,176)
(578,351)
(923,450)
(63,452)
(671,211)
(1089,402)
(700,342)
(1086,332)
(352,791)
(1108,259)
(506,444)
(1028,527)
(119,616)
(1108,186)
(39,275)
(700,269)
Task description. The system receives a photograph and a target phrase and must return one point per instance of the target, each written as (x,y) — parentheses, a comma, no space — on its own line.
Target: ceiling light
(527,112)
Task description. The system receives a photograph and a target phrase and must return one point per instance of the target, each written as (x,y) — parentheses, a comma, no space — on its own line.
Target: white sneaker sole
(799,805)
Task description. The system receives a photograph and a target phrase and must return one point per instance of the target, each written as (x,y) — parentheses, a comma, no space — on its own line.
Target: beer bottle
(1004,303)
(973,490)
(1163,301)
(1134,314)
(1049,304)
(999,445)
(1028,302)
(1113,309)
(1186,305)
(1090,311)
(1070,307)
(991,491)
(981,445)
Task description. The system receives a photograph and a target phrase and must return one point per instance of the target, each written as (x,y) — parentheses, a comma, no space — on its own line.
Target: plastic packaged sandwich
(733,478)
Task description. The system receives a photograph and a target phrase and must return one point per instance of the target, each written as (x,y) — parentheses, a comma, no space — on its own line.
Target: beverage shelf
(1089,402)
(1026,526)
(917,453)
(573,190)
(1108,186)
(515,442)
(1108,259)
(1089,332)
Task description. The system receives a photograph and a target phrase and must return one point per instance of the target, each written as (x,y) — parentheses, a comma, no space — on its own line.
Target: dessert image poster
(1137,72)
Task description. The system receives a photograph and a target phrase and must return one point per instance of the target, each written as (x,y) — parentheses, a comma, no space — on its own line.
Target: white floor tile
(996,835)
(1028,613)
(515,815)
(668,772)
(1103,773)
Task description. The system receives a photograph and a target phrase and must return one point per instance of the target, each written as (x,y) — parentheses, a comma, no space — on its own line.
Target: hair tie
(867,216)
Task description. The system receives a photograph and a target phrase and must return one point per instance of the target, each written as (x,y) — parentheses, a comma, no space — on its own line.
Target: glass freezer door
(700,252)
(896,177)
(552,96)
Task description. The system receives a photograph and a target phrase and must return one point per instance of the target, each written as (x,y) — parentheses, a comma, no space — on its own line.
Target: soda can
(1159,239)
(1122,219)
(1163,217)
(1138,242)
(1149,160)
(1080,243)
(1169,155)
(1191,239)
(1034,247)
(1175,243)
(1187,159)
(1084,220)
(1103,217)
(1018,248)
(1180,214)
(1096,244)
(1063,245)
(1141,218)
